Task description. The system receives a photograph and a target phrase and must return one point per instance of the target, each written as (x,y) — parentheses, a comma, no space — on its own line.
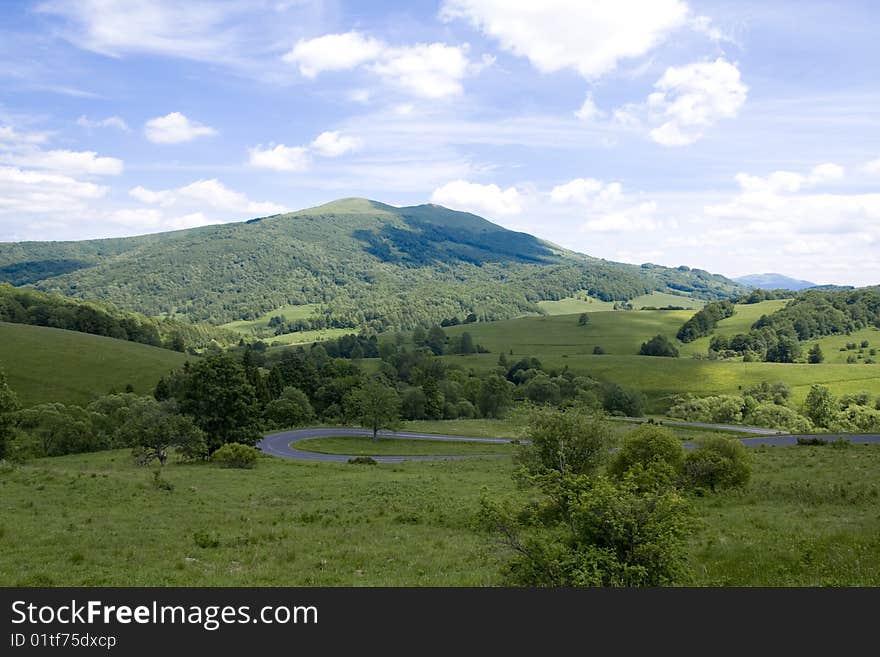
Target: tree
(584,319)
(154,428)
(436,340)
(717,463)
(659,345)
(815,355)
(8,406)
(820,406)
(291,409)
(494,396)
(374,406)
(567,442)
(216,393)
(592,531)
(646,448)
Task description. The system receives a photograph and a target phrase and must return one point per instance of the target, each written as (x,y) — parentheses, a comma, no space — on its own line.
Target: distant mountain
(358,262)
(774,282)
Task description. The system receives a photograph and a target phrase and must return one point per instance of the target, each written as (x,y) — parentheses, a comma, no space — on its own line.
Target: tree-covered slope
(362,262)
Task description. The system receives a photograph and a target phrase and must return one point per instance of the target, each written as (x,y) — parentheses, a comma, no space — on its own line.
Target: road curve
(282,444)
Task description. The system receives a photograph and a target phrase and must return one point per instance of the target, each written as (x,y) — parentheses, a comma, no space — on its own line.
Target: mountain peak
(351,205)
(774,281)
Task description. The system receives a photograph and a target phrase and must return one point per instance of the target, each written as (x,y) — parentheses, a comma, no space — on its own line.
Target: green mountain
(360,262)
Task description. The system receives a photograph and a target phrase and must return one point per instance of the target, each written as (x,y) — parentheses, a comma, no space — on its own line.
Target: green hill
(49,365)
(352,262)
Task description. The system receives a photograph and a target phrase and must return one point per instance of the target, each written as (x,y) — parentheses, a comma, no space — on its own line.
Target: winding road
(283,444)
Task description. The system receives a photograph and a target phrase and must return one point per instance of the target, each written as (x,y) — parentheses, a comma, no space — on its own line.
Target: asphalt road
(283,444)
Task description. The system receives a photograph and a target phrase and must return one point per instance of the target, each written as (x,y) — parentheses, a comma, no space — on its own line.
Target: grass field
(47,364)
(559,342)
(585,304)
(290,313)
(809,517)
(361,446)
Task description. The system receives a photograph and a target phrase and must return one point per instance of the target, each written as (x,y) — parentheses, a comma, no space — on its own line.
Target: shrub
(659,345)
(598,350)
(206,540)
(812,440)
(362,460)
(236,455)
(569,441)
(717,463)
(647,447)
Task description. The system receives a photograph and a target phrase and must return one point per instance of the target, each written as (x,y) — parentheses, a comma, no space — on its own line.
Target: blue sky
(735,137)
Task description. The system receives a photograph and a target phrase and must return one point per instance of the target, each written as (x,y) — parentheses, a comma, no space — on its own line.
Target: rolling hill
(774,282)
(356,262)
(54,365)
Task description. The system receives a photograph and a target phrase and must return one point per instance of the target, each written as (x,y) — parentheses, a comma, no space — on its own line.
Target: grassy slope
(589,304)
(558,342)
(809,517)
(47,364)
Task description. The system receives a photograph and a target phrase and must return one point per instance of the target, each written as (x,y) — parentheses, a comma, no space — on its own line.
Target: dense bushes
(717,463)
(659,345)
(236,455)
(705,321)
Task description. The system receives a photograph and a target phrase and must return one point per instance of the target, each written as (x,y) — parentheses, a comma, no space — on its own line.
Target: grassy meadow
(587,304)
(809,517)
(359,446)
(53,365)
(558,341)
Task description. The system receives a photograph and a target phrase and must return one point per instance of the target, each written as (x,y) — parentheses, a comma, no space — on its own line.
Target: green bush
(236,455)
(717,463)
(649,450)
(362,460)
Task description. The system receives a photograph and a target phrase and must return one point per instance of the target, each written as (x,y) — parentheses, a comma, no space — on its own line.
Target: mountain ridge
(774,281)
(363,263)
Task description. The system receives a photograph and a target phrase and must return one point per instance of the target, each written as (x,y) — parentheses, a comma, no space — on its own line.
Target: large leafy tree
(375,406)
(216,393)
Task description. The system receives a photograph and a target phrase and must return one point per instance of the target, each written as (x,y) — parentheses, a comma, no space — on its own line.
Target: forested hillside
(23,306)
(361,262)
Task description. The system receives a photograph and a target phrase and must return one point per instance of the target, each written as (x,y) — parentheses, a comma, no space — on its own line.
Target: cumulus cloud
(427,70)
(691,98)
(110,122)
(70,162)
(279,157)
(333,52)
(175,128)
(24,192)
(778,204)
(490,200)
(588,36)
(334,144)
(606,207)
(873,166)
(211,193)
(10,137)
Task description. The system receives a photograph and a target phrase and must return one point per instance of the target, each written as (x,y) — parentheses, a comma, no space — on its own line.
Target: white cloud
(70,162)
(427,70)
(10,137)
(175,128)
(788,181)
(110,122)
(588,36)
(873,167)
(694,97)
(333,52)
(490,200)
(279,158)
(24,192)
(588,110)
(776,203)
(334,144)
(211,193)
(607,208)
(201,30)
(434,70)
